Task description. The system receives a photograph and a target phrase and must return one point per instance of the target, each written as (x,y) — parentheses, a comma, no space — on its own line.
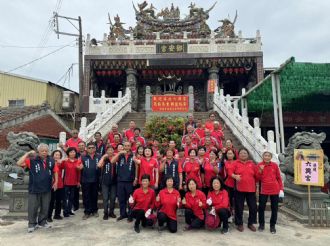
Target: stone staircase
(138,117)
(227,132)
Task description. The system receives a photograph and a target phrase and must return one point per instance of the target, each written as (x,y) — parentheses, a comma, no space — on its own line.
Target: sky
(298,28)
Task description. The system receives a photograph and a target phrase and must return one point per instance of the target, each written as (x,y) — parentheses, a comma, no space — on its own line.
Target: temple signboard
(170,103)
(171,48)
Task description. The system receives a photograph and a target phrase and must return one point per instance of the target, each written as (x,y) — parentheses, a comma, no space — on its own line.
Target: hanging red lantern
(155,72)
(241,70)
(177,72)
(109,73)
(144,72)
(236,70)
(98,73)
(200,71)
(225,70)
(166,72)
(183,72)
(194,71)
(188,71)
(119,72)
(104,73)
(161,72)
(230,70)
(150,72)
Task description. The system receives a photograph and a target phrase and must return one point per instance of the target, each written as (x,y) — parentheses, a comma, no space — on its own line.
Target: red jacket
(200,132)
(248,172)
(270,179)
(133,141)
(218,135)
(71,173)
(73,143)
(143,200)
(229,166)
(192,202)
(209,172)
(148,167)
(220,200)
(111,137)
(129,133)
(168,203)
(59,170)
(192,170)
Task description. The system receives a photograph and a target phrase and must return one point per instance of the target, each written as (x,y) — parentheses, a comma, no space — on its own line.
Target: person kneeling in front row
(142,203)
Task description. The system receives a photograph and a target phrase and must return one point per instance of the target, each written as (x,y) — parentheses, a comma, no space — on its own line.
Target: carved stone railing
(101,104)
(103,121)
(249,136)
(194,45)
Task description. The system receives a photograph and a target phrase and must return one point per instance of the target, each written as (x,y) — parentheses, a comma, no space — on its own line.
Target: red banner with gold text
(175,103)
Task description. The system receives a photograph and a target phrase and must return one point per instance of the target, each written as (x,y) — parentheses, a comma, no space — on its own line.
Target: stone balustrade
(112,114)
(250,136)
(101,104)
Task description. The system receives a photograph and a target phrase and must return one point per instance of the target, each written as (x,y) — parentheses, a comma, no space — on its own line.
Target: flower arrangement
(165,129)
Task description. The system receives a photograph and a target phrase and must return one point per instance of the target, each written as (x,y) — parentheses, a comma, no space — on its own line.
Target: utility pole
(80,49)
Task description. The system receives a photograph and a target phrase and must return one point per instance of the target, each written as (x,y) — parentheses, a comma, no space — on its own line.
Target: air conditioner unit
(68,101)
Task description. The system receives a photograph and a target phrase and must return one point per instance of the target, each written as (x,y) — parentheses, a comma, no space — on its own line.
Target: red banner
(211,85)
(170,103)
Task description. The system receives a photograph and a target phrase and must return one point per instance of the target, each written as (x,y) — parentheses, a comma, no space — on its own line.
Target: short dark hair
(152,152)
(220,180)
(136,128)
(97,133)
(215,151)
(70,149)
(168,177)
(180,149)
(191,151)
(188,181)
(55,151)
(170,150)
(226,158)
(145,176)
(202,147)
(90,144)
(242,149)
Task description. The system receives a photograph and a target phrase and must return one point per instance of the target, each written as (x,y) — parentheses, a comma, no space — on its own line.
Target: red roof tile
(45,126)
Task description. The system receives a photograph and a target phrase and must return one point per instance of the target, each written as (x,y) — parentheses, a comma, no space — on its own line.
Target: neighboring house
(19,91)
(40,120)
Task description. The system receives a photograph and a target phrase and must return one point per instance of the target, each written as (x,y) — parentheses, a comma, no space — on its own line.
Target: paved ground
(95,231)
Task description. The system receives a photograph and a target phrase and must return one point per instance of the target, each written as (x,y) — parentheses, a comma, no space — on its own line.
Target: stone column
(213,74)
(86,86)
(131,83)
(148,99)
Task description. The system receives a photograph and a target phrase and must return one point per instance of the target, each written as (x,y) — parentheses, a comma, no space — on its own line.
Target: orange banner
(211,85)
(170,103)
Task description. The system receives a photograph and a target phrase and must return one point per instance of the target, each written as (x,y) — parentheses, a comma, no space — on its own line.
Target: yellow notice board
(308,167)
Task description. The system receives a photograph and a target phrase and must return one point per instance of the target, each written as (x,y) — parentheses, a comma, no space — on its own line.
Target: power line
(28,63)
(32,47)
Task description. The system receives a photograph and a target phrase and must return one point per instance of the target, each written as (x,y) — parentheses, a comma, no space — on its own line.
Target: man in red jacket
(270,185)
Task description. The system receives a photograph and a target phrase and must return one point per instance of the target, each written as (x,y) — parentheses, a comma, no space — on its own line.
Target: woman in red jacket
(244,172)
(195,203)
(142,203)
(192,168)
(270,185)
(57,196)
(168,201)
(229,181)
(211,169)
(149,165)
(71,167)
(218,200)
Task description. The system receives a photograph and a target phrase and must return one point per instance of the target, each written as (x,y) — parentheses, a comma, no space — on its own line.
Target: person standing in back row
(89,181)
(245,172)
(270,186)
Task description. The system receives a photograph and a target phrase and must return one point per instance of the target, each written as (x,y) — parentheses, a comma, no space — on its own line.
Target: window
(16,103)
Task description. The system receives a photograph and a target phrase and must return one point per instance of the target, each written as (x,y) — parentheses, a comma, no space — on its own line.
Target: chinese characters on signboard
(171,48)
(170,103)
(308,167)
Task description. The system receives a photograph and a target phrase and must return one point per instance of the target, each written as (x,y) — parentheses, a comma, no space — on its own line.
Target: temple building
(170,53)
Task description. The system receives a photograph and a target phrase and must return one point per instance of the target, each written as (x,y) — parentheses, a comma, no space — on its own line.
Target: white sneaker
(31,229)
(45,226)
(230,219)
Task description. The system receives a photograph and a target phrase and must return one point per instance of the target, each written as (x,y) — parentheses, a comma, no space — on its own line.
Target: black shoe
(261,228)
(66,215)
(105,217)
(71,213)
(58,217)
(75,209)
(121,218)
(49,220)
(272,230)
(224,231)
(112,215)
(129,219)
(137,229)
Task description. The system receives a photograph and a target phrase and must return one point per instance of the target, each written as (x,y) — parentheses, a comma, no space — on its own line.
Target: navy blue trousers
(124,190)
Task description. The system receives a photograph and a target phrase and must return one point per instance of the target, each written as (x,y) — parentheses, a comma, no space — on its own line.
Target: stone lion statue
(301,140)
(20,143)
